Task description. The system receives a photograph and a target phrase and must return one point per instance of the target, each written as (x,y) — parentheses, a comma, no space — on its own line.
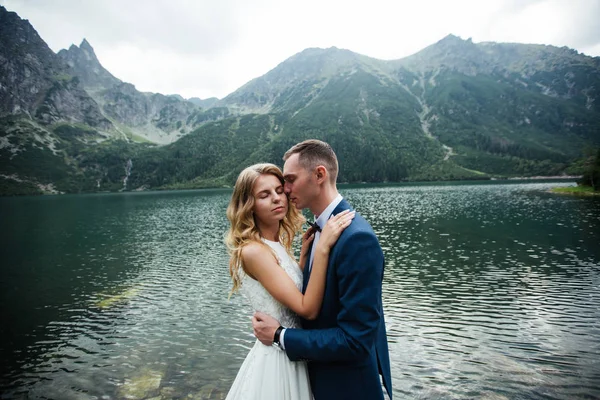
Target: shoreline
(575,191)
(341,184)
(524,178)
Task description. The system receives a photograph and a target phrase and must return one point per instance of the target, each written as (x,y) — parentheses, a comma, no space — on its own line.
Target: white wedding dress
(267,373)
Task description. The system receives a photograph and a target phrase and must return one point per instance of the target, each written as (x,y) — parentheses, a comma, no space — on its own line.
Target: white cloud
(555,22)
(207,48)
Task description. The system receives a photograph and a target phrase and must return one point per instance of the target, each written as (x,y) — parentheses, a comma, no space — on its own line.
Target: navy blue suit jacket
(346,345)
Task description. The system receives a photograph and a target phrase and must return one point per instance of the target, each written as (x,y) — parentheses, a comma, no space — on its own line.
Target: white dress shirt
(321,220)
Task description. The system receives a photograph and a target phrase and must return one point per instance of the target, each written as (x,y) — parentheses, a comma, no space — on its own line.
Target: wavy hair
(243,229)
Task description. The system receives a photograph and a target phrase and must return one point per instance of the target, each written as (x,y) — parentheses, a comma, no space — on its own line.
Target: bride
(262,267)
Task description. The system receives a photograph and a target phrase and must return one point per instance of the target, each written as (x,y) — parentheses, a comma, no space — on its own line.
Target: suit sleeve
(359,274)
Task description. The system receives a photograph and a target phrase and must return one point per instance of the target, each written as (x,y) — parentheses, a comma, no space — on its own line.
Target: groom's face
(299,183)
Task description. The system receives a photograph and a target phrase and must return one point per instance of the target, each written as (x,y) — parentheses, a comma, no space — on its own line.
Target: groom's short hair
(312,153)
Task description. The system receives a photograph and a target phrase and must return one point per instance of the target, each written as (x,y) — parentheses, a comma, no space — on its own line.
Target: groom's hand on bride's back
(264,327)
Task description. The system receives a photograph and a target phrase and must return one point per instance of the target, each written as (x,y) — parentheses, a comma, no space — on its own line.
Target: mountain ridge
(455,110)
(137,115)
(36,83)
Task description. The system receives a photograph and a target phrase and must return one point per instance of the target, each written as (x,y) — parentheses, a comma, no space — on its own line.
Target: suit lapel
(306,271)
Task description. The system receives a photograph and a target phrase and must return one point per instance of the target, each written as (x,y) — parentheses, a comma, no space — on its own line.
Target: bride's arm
(259,264)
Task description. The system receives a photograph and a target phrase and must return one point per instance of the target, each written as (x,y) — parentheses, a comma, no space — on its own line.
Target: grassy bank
(576,190)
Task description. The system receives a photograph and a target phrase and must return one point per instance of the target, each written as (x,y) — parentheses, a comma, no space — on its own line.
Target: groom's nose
(287,187)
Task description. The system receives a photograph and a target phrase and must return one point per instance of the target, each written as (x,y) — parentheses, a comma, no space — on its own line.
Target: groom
(346,345)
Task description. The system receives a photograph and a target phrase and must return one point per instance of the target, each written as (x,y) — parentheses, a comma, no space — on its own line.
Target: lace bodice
(261,300)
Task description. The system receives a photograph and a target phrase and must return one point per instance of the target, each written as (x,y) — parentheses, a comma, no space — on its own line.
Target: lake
(491,290)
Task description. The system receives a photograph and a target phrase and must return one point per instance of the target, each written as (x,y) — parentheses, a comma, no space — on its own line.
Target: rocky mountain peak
(450,52)
(84,50)
(154,117)
(20,39)
(453,40)
(323,62)
(298,79)
(87,67)
(85,45)
(36,83)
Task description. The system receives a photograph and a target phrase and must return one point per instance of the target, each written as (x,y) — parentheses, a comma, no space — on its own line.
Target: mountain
(489,110)
(297,80)
(459,109)
(39,95)
(500,101)
(455,110)
(54,108)
(139,116)
(87,67)
(34,82)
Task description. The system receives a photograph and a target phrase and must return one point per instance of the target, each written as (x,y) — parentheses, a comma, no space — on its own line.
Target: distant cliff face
(35,82)
(155,117)
(87,68)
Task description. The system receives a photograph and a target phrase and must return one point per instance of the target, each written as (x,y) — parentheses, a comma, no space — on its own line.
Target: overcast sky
(206,48)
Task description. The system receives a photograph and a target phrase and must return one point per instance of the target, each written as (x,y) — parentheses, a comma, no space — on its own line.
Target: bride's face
(270,202)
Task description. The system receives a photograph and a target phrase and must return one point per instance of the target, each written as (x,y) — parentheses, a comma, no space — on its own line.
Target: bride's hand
(334,228)
(307,240)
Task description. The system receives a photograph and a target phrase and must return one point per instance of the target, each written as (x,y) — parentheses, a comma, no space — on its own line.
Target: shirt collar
(324,217)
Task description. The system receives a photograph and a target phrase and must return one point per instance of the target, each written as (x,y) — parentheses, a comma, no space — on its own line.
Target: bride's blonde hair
(243,228)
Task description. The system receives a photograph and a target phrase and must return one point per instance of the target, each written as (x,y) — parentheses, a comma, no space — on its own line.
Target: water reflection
(490,291)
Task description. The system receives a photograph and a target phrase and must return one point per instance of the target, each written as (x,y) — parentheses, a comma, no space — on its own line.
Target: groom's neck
(328,194)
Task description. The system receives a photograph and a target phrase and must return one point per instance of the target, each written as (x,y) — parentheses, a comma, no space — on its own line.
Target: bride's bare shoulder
(253,250)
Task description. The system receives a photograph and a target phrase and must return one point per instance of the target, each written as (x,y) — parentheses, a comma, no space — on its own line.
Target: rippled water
(490,291)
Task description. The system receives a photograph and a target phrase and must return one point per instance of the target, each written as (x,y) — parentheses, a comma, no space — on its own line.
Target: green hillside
(455,110)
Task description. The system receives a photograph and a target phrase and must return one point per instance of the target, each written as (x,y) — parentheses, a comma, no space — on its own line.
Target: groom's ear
(321,174)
